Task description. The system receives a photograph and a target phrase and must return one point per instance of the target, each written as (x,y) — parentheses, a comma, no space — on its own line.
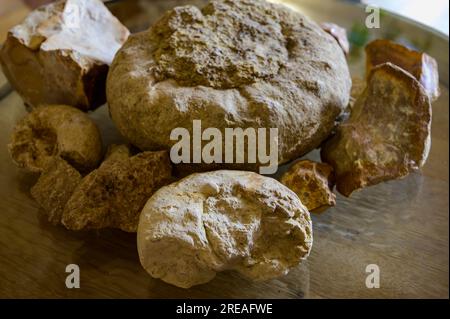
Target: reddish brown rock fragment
(115,193)
(422,66)
(54,188)
(387,135)
(313,183)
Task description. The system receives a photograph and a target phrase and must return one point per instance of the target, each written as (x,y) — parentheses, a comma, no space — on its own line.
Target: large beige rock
(236,63)
(60,53)
(223,220)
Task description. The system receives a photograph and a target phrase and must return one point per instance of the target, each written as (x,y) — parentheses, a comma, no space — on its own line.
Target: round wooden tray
(401,226)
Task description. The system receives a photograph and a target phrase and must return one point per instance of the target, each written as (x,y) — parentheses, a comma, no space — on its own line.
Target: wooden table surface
(401,226)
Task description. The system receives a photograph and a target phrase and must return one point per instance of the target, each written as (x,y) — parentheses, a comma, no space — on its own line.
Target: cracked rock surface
(232,63)
(113,195)
(223,220)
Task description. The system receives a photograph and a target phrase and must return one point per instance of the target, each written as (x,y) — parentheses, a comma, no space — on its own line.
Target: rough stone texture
(60,53)
(231,64)
(54,188)
(422,66)
(114,194)
(339,33)
(56,130)
(223,220)
(313,183)
(388,134)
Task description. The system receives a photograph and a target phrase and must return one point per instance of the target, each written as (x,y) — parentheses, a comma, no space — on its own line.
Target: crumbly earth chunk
(339,33)
(56,130)
(114,194)
(54,188)
(387,135)
(422,66)
(223,220)
(313,183)
(232,64)
(61,52)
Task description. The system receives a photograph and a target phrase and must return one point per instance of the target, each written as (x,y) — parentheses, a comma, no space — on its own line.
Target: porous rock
(223,220)
(313,183)
(113,195)
(422,66)
(54,188)
(61,52)
(233,63)
(56,130)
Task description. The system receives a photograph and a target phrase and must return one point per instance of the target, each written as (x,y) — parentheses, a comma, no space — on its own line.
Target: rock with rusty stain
(54,188)
(313,183)
(61,52)
(388,134)
(422,66)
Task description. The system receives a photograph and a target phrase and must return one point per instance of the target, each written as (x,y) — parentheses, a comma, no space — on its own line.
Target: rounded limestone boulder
(223,220)
(231,64)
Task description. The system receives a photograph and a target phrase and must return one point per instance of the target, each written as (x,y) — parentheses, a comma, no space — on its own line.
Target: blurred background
(433,13)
